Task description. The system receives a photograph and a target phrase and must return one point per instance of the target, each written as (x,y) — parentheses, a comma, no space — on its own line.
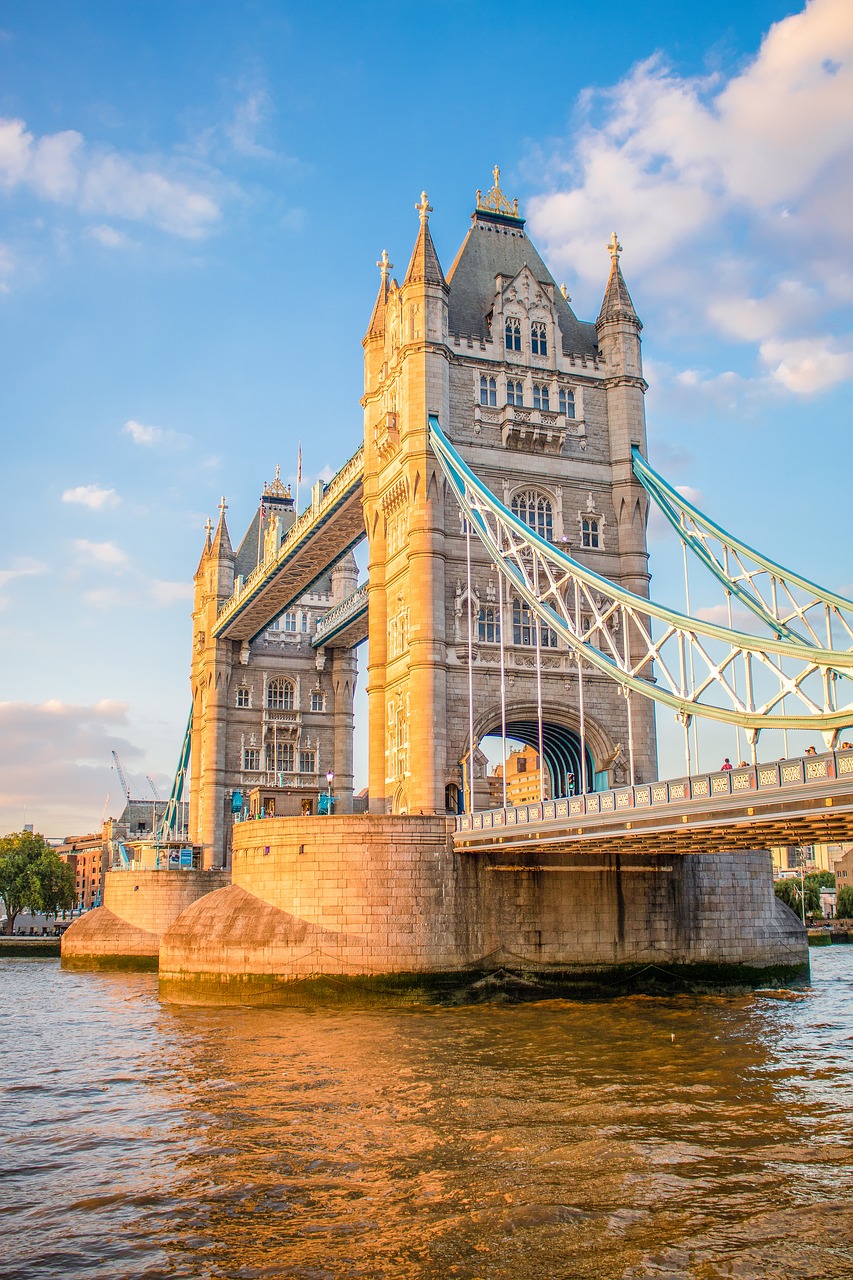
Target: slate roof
(424,264)
(499,246)
(617,304)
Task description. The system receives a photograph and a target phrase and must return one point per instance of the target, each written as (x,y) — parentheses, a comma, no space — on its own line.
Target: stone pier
(139,906)
(362,908)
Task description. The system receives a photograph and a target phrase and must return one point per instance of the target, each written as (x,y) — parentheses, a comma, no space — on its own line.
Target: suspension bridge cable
(503,677)
(470,671)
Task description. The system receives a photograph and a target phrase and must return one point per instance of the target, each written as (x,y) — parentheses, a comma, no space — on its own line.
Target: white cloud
(110,237)
(166,593)
(55,763)
(152,437)
(25,567)
(92,496)
(250,116)
(64,168)
(745,181)
(104,553)
(808,365)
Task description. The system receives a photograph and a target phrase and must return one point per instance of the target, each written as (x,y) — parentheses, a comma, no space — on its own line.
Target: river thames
(683,1138)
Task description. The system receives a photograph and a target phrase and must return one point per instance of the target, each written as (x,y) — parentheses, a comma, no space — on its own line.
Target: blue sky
(193,199)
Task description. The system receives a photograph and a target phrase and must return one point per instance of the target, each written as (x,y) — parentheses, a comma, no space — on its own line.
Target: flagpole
(298,475)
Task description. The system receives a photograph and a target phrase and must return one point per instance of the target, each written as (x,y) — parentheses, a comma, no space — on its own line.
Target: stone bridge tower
(545,409)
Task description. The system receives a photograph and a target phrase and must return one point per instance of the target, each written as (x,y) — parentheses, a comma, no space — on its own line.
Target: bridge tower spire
(210,678)
(407,377)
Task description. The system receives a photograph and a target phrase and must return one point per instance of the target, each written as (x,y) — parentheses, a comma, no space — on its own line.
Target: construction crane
(122,779)
(155,793)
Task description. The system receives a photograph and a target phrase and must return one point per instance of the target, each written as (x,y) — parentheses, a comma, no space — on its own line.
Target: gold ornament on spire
(424,208)
(495,201)
(276,489)
(385,265)
(614,248)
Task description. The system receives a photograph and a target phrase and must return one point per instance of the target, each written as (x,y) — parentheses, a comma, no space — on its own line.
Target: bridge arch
(561,740)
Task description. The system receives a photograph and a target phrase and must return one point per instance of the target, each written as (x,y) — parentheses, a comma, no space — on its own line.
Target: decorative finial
(208,528)
(564,291)
(424,208)
(495,201)
(385,265)
(276,488)
(223,507)
(615,248)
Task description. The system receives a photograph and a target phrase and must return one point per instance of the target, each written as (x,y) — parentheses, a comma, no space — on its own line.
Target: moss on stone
(129,964)
(475,986)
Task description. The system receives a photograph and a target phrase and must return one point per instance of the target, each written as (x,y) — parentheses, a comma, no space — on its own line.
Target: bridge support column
(344,672)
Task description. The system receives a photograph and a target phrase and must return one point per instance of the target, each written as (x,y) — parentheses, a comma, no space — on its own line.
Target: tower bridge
(503,491)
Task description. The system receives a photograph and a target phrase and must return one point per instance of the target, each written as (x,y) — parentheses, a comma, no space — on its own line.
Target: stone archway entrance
(561,750)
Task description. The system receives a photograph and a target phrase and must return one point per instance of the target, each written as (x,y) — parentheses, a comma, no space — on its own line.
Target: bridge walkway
(788,802)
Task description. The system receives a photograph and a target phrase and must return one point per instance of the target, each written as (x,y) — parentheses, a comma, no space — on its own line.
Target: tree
(789,891)
(844,903)
(823,879)
(32,877)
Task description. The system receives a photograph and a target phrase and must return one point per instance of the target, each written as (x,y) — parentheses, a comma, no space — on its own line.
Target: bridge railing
(778,775)
(334,490)
(340,615)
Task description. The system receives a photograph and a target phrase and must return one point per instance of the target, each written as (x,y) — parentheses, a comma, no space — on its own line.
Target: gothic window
(280,695)
(539,338)
(289,621)
(318,700)
(589,532)
(488,391)
(489,625)
(514,392)
(567,403)
(522,623)
(535,510)
(280,757)
(304,621)
(251,759)
(524,627)
(306,762)
(541,396)
(243,696)
(512,331)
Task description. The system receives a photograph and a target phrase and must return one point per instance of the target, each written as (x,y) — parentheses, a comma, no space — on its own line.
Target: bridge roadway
(788,802)
(331,527)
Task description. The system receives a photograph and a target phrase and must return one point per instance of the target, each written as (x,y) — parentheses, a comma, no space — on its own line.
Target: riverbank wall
(139,906)
(357,908)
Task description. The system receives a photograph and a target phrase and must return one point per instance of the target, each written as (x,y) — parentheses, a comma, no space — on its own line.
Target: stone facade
(271,716)
(372,897)
(545,409)
(139,906)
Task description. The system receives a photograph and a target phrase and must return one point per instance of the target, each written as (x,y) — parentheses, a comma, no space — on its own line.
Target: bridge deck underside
(805,815)
(330,538)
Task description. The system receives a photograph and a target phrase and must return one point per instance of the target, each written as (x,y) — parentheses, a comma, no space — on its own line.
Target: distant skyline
(194,198)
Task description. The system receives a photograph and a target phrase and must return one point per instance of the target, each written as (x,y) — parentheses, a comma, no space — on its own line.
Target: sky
(194,196)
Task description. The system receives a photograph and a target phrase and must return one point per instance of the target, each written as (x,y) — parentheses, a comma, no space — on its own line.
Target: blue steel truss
(790,605)
(696,668)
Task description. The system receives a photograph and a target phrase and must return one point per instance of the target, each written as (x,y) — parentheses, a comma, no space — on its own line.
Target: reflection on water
(687,1137)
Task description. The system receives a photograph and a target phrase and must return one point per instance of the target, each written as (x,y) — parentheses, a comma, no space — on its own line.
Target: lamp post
(330,777)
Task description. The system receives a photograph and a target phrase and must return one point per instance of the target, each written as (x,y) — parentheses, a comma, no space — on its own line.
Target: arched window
(567,403)
(489,625)
(514,392)
(524,623)
(318,700)
(280,695)
(541,396)
(451,798)
(535,510)
(539,338)
(279,757)
(512,332)
(590,533)
(488,391)
(243,696)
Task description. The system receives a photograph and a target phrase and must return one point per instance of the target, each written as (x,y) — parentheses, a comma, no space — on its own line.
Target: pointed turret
(424,267)
(376,327)
(221,547)
(617,304)
(208,529)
